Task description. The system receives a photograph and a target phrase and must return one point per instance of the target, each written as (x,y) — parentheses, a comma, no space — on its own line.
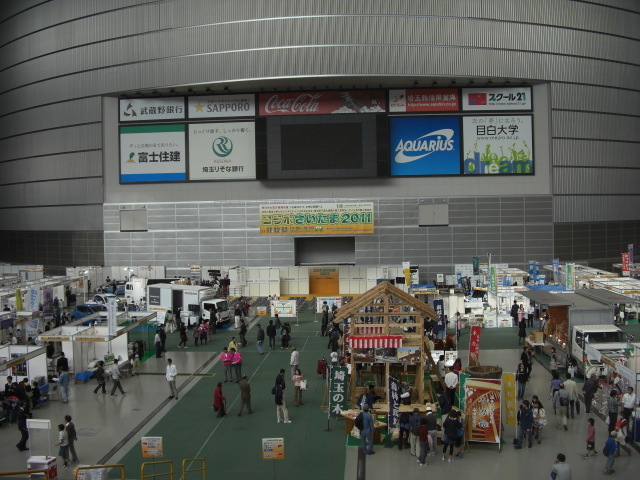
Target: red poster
(625,264)
(482,406)
(318,103)
(424,100)
(474,344)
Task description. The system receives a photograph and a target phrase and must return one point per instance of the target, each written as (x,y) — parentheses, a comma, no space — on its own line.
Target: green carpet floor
(231,446)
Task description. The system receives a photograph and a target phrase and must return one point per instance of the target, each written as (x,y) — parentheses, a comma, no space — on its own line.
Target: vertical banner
(394,402)
(112,316)
(569,281)
(474,344)
(510,396)
(625,264)
(47,300)
(493,280)
(32,300)
(630,250)
(461,398)
(19,307)
(483,408)
(441,326)
(338,390)
(556,269)
(476,265)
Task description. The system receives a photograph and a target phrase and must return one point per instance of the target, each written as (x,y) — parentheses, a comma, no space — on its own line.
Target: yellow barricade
(153,475)
(99,467)
(203,467)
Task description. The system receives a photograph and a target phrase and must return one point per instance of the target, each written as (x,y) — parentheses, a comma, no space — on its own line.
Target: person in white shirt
(172,373)
(572,389)
(628,403)
(294,361)
(451,381)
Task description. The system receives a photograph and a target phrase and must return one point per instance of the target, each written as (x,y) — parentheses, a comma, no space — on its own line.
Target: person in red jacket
(219,401)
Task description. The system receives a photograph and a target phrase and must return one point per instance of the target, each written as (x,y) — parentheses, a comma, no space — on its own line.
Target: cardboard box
(536,336)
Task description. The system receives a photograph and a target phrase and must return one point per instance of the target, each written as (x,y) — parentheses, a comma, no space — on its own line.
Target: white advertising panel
(496,145)
(284,308)
(487,99)
(222,151)
(152,153)
(144,109)
(222,106)
(112,316)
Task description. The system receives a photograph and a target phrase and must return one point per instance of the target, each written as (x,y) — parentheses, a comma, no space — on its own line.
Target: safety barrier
(154,475)
(202,468)
(45,473)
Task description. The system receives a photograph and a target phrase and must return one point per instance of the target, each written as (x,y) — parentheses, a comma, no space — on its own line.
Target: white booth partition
(94,343)
(23,361)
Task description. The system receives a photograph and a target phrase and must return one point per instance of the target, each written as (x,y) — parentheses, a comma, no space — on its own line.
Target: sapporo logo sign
(222,146)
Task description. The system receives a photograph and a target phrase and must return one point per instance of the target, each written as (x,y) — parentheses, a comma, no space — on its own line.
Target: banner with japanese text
(318,103)
(483,409)
(441,326)
(221,106)
(338,383)
(474,344)
(486,99)
(497,145)
(461,398)
(630,250)
(424,100)
(493,279)
(153,153)
(570,280)
(625,264)
(222,151)
(394,402)
(316,218)
(509,393)
(146,109)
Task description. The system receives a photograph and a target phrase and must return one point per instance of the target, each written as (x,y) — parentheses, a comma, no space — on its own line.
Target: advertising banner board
(424,100)
(316,103)
(316,219)
(222,106)
(483,408)
(487,99)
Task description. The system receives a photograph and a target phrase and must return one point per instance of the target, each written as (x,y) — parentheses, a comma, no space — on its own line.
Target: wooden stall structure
(386,331)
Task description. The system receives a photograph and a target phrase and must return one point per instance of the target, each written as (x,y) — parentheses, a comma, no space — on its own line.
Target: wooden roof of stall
(375,296)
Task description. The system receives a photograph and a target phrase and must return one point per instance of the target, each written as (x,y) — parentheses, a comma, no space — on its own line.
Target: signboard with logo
(145,109)
(425,145)
(273,448)
(496,145)
(222,151)
(316,103)
(152,153)
(424,100)
(394,402)
(338,384)
(483,408)
(284,308)
(316,219)
(485,99)
(222,106)
(331,301)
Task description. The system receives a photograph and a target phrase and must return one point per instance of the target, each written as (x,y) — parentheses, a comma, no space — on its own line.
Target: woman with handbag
(298,382)
(539,418)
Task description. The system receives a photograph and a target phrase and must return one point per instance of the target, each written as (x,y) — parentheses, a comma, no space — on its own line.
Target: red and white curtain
(381,341)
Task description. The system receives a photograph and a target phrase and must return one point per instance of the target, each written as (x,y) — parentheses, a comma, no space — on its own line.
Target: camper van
(136,288)
(187,298)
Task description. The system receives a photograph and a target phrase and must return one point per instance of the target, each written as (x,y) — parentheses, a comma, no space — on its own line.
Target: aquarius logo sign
(222,147)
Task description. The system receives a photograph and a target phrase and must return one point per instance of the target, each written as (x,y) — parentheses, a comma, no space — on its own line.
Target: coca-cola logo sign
(317,103)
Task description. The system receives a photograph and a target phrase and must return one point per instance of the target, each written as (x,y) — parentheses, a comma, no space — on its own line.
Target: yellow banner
(316,219)
(509,392)
(18,300)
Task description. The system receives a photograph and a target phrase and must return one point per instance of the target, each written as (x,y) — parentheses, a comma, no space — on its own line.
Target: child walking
(63,443)
(591,439)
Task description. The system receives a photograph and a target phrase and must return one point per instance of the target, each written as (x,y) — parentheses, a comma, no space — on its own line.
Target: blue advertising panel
(425,145)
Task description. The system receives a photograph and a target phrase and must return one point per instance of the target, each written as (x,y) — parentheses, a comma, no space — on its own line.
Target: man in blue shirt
(366,434)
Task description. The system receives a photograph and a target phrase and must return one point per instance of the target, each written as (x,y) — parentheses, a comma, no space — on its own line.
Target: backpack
(564,399)
(359,422)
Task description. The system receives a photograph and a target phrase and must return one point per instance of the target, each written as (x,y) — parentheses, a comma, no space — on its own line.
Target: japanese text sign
(338,382)
(474,343)
(316,219)
(483,409)
(394,402)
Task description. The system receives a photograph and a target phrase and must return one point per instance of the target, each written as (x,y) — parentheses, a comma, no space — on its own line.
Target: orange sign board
(273,448)
(483,409)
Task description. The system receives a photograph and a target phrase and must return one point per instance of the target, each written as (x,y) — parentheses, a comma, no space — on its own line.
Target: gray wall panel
(606,180)
(595,99)
(596,126)
(587,208)
(53,167)
(59,192)
(72,218)
(586,153)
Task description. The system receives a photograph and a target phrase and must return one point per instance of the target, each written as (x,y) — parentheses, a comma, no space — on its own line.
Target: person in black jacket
(62,365)
(271,333)
(22,426)
(281,406)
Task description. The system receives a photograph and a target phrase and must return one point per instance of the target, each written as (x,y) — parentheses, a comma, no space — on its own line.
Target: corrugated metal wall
(57,59)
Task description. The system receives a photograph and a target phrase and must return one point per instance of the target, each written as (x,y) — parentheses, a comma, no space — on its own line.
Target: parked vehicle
(103,298)
(87,309)
(136,288)
(108,288)
(187,298)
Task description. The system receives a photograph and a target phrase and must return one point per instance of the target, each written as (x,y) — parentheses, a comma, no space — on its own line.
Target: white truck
(194,300)
(136,288)
(603,339)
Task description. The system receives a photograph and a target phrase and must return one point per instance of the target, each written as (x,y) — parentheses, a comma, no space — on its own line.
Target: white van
(221,304)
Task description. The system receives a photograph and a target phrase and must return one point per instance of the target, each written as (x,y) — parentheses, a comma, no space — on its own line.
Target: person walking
(591,439)
(560,469)
(572,390)
(522,331)
(628,403)
(22,426)
(232,344)
(115,377)
(281,407)
(451,381)
(432,427)
(63,444)
(561,406)
(589,389)
(366,434)
(219,401)
(424,440)
(157,341)
(271,333)
(260,340)
(297,380)
(227,358)
(525,425)
(63,385)
(450,430)
(613,408)
(539,418)
(172,373)
(414,432)
(609,452)
(184,338)
(522,377)
(72,438)
(245,394)
(243,333)
(236,362)
(294,360)
(100,378)
(553,363)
